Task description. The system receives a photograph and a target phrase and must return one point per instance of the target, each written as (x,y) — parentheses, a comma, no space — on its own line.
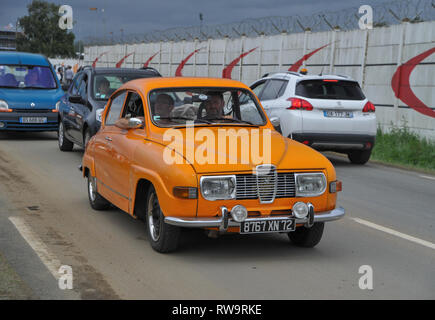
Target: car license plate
(338,114)
(267,226)
(33,120)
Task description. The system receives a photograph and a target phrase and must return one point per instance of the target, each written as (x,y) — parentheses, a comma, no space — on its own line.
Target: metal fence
(384,14)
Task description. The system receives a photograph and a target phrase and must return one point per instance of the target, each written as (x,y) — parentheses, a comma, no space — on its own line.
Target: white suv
(326,112)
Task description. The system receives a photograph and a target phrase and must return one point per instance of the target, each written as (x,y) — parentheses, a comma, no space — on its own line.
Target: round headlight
(4,105)
(239,213)
(300,210)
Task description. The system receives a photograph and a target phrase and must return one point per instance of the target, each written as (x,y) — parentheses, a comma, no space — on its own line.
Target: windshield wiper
(34,87)
(233,120)
(9,87)
(184,118)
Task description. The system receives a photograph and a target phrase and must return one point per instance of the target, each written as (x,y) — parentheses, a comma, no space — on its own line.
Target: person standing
(69,75)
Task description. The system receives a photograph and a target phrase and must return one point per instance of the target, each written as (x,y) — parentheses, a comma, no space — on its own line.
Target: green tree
(41,32)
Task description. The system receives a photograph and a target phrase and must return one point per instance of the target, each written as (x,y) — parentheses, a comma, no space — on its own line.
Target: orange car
(201,153)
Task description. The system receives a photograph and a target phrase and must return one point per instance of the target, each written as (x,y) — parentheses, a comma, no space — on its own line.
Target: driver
(214,106)
(103,87)
(163,106)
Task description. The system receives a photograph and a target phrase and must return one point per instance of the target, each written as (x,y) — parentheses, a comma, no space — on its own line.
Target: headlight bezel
(229,196)
(304,194)
(4,102)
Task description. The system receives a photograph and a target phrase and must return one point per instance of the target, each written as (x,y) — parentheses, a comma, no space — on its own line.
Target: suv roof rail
(84,67)
(151,69)
(287,72)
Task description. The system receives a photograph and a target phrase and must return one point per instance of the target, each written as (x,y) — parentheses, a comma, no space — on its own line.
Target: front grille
(32,110)
(265,187)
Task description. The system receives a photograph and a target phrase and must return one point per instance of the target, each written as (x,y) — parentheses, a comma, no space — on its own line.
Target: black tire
(162,236)
(64,143)
(307,237)
(87,136)
(97,202)
(359,156)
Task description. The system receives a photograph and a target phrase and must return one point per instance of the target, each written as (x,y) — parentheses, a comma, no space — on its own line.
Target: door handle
(108,138)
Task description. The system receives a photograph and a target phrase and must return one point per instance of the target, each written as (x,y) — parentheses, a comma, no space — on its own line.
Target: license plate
(33,120)
(268,226)
(338,114)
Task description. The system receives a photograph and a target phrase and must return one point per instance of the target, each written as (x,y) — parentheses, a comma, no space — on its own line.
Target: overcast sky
(137,16)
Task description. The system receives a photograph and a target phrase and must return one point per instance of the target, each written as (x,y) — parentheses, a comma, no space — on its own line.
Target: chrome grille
(248,188)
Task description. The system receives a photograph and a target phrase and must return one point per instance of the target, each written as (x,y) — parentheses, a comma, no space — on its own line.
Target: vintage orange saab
(201,153)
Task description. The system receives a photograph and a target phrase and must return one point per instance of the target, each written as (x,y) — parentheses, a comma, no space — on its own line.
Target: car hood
(284,153)
(22,98)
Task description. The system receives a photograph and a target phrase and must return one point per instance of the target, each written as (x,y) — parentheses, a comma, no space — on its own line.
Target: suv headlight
(99,114)
(3,105)
(310,184)
(218,187)
(57,105)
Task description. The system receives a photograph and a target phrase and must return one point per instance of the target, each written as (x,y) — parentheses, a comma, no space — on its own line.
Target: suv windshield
(23,76)
(330,89)
(223,106)
(106,84)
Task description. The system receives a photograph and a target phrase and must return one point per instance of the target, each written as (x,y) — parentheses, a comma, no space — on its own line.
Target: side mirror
(76,99)
(275,121)
(126,124)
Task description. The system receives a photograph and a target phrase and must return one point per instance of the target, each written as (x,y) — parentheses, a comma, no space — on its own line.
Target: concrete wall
(370,56)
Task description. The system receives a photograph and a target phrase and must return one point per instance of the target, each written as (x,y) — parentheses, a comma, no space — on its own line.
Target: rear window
(320,89)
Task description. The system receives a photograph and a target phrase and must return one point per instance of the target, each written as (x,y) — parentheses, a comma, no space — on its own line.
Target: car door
(68,113)
(123,142)
(80,110)
(104,153)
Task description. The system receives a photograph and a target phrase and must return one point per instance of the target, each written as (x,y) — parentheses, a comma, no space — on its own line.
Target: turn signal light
(186,192)
(299,104)
(335,186)
(369,107)
(5,110)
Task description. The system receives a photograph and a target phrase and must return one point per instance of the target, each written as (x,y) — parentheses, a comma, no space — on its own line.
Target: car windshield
(330,89)
(26,77)
(106,84)
(205,106)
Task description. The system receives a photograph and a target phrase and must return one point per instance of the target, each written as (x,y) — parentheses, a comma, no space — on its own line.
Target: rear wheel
(97,202)
(162,236)
(64,143)
(307,237)
(359,156)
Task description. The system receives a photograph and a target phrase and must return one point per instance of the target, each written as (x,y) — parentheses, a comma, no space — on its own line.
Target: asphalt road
(111,258)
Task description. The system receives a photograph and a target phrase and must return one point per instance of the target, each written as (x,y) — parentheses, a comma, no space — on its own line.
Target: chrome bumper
(226,221)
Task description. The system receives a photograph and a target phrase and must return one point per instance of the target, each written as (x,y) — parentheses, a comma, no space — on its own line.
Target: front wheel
(359,156)
(162,236)
(307,237)
(97,202)
(64,143)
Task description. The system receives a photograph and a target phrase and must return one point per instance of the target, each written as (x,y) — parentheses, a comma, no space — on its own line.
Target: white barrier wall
(370,56)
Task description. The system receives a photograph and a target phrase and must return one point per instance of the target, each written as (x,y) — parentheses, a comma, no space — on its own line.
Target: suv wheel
(97,202)
(359,156)
(64,143)
(162,236)
(307,237)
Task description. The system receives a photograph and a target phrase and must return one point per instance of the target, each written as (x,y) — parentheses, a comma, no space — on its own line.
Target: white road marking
(395,233)
(47,258)
(427,177)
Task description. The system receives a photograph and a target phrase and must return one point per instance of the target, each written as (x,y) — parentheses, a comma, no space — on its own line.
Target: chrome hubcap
(61,133)
(154,217)
(92,189)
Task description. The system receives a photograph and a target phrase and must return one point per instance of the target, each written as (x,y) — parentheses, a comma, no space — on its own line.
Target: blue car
(30,93)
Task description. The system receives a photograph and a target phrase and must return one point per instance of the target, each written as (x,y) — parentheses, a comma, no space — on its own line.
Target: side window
(258,87)
(76,84)
(83,87)
(134,106)
(274,89)
(115,109)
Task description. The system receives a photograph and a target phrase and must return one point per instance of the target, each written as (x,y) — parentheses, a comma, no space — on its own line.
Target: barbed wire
(384,14)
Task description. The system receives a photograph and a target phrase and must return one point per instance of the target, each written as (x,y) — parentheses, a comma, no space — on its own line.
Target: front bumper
(223,222)
(11,121)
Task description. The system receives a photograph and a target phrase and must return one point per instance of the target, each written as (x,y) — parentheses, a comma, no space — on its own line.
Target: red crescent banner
(183,63)
(149,60)
(295,67)
(402,88)
(226,73)
(120,62)
(94,64)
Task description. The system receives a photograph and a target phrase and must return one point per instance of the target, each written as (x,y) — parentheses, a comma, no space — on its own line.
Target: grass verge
(403,147)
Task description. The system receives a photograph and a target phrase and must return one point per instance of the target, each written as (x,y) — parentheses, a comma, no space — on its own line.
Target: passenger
(103,87)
